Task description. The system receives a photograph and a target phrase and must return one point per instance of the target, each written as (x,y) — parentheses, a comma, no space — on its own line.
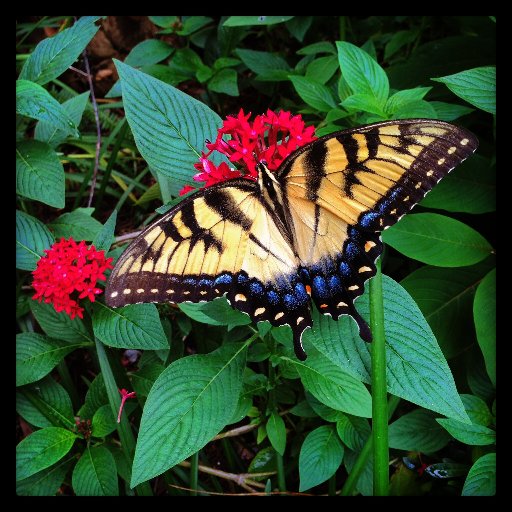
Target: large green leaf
(276,432)
(136,326)
(53,55)
(481,479)
(477,86)
(35,102)
(39,173)
(470,188)
(437,240)
(225,81)
(45,404)
(353,431)
(190,402)
(314,93)
(484,311)
(362,74)
(402,98)
(320,457)
(417,431)
(416,367)
(95,473)
(333,386)
(32,238)
(449,111)
(41,449)
(78,224)
(147,52)
(242,21)
(59,325)
(74,107)
(268,66)
(445,297)
(322,68)
(46,482)
(38,355)
(216,312)
(169,127)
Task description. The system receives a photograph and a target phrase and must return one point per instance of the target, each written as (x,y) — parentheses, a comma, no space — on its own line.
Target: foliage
(200,370)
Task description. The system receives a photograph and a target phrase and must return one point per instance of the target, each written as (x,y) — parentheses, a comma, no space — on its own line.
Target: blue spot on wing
(189,281)
(273,297)
(256,288)
(290,301)
(205,282)
(335,284)
(368,219)
(301,294)
(320,287)
(223,279)
(344,269)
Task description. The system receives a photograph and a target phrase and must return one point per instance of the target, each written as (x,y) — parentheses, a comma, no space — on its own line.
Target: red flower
(124,396)
(69,271)
(269,138)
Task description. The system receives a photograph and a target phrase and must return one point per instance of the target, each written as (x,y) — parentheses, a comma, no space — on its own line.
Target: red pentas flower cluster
(67,273)
(269,138)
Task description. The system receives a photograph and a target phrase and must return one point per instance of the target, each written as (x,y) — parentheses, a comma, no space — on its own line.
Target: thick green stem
(123,429)
(194,471)
(353,477)
(281,481)
(379,388)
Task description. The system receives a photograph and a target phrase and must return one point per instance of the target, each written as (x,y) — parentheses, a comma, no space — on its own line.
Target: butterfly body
(308,232)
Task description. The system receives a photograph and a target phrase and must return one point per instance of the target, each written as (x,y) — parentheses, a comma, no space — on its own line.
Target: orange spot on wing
(323,306)
(308,289)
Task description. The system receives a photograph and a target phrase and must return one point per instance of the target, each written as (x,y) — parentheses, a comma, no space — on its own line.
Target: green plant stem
(67,382)
(281,480)
(124,430)
(332,485)
(194,472)
(379,388)
(353,477)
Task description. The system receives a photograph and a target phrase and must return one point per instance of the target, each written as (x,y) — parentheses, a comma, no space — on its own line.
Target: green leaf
(477,378)
(35,102)
(476,86)
(53,55)
(74,107)
(481,479)
(398,40)
(402,98)
(225,81)
(474,435)
(136,326)
(416,109)
(242,21)
(437,240)
(45,404)
(298,26)
(449,111)
(320,457)
(144,378)
(46,482)
(216,312)
(477,410)
(190,402)
(445,297)
(416,368)
(77,224)
(193,24)
(103,422)
(276,431)
(59,325)
(106,236)
(319,47)
(484,311)
(38,355)
(39,173)
(363,103)
(164,21)
(417,431)
(314,93)
(353,431)
(325,412)
(95,474)
(96,397)
(150,51)
(364,483)
(32,238)
(333,386)
(262,63)
(470,188)
(362,74)
(169,127)
(322,68)
(41,449)
(225,62)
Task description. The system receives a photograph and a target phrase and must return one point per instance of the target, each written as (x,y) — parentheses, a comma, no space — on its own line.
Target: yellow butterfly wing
(343,189)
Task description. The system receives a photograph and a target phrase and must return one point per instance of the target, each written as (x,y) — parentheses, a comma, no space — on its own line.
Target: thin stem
(194,472)
(281,481)
(123,429)
(332,485)
(98,129)
(379,388)
(364,454)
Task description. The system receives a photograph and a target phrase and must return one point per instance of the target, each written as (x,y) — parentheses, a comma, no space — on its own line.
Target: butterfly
(308,232)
